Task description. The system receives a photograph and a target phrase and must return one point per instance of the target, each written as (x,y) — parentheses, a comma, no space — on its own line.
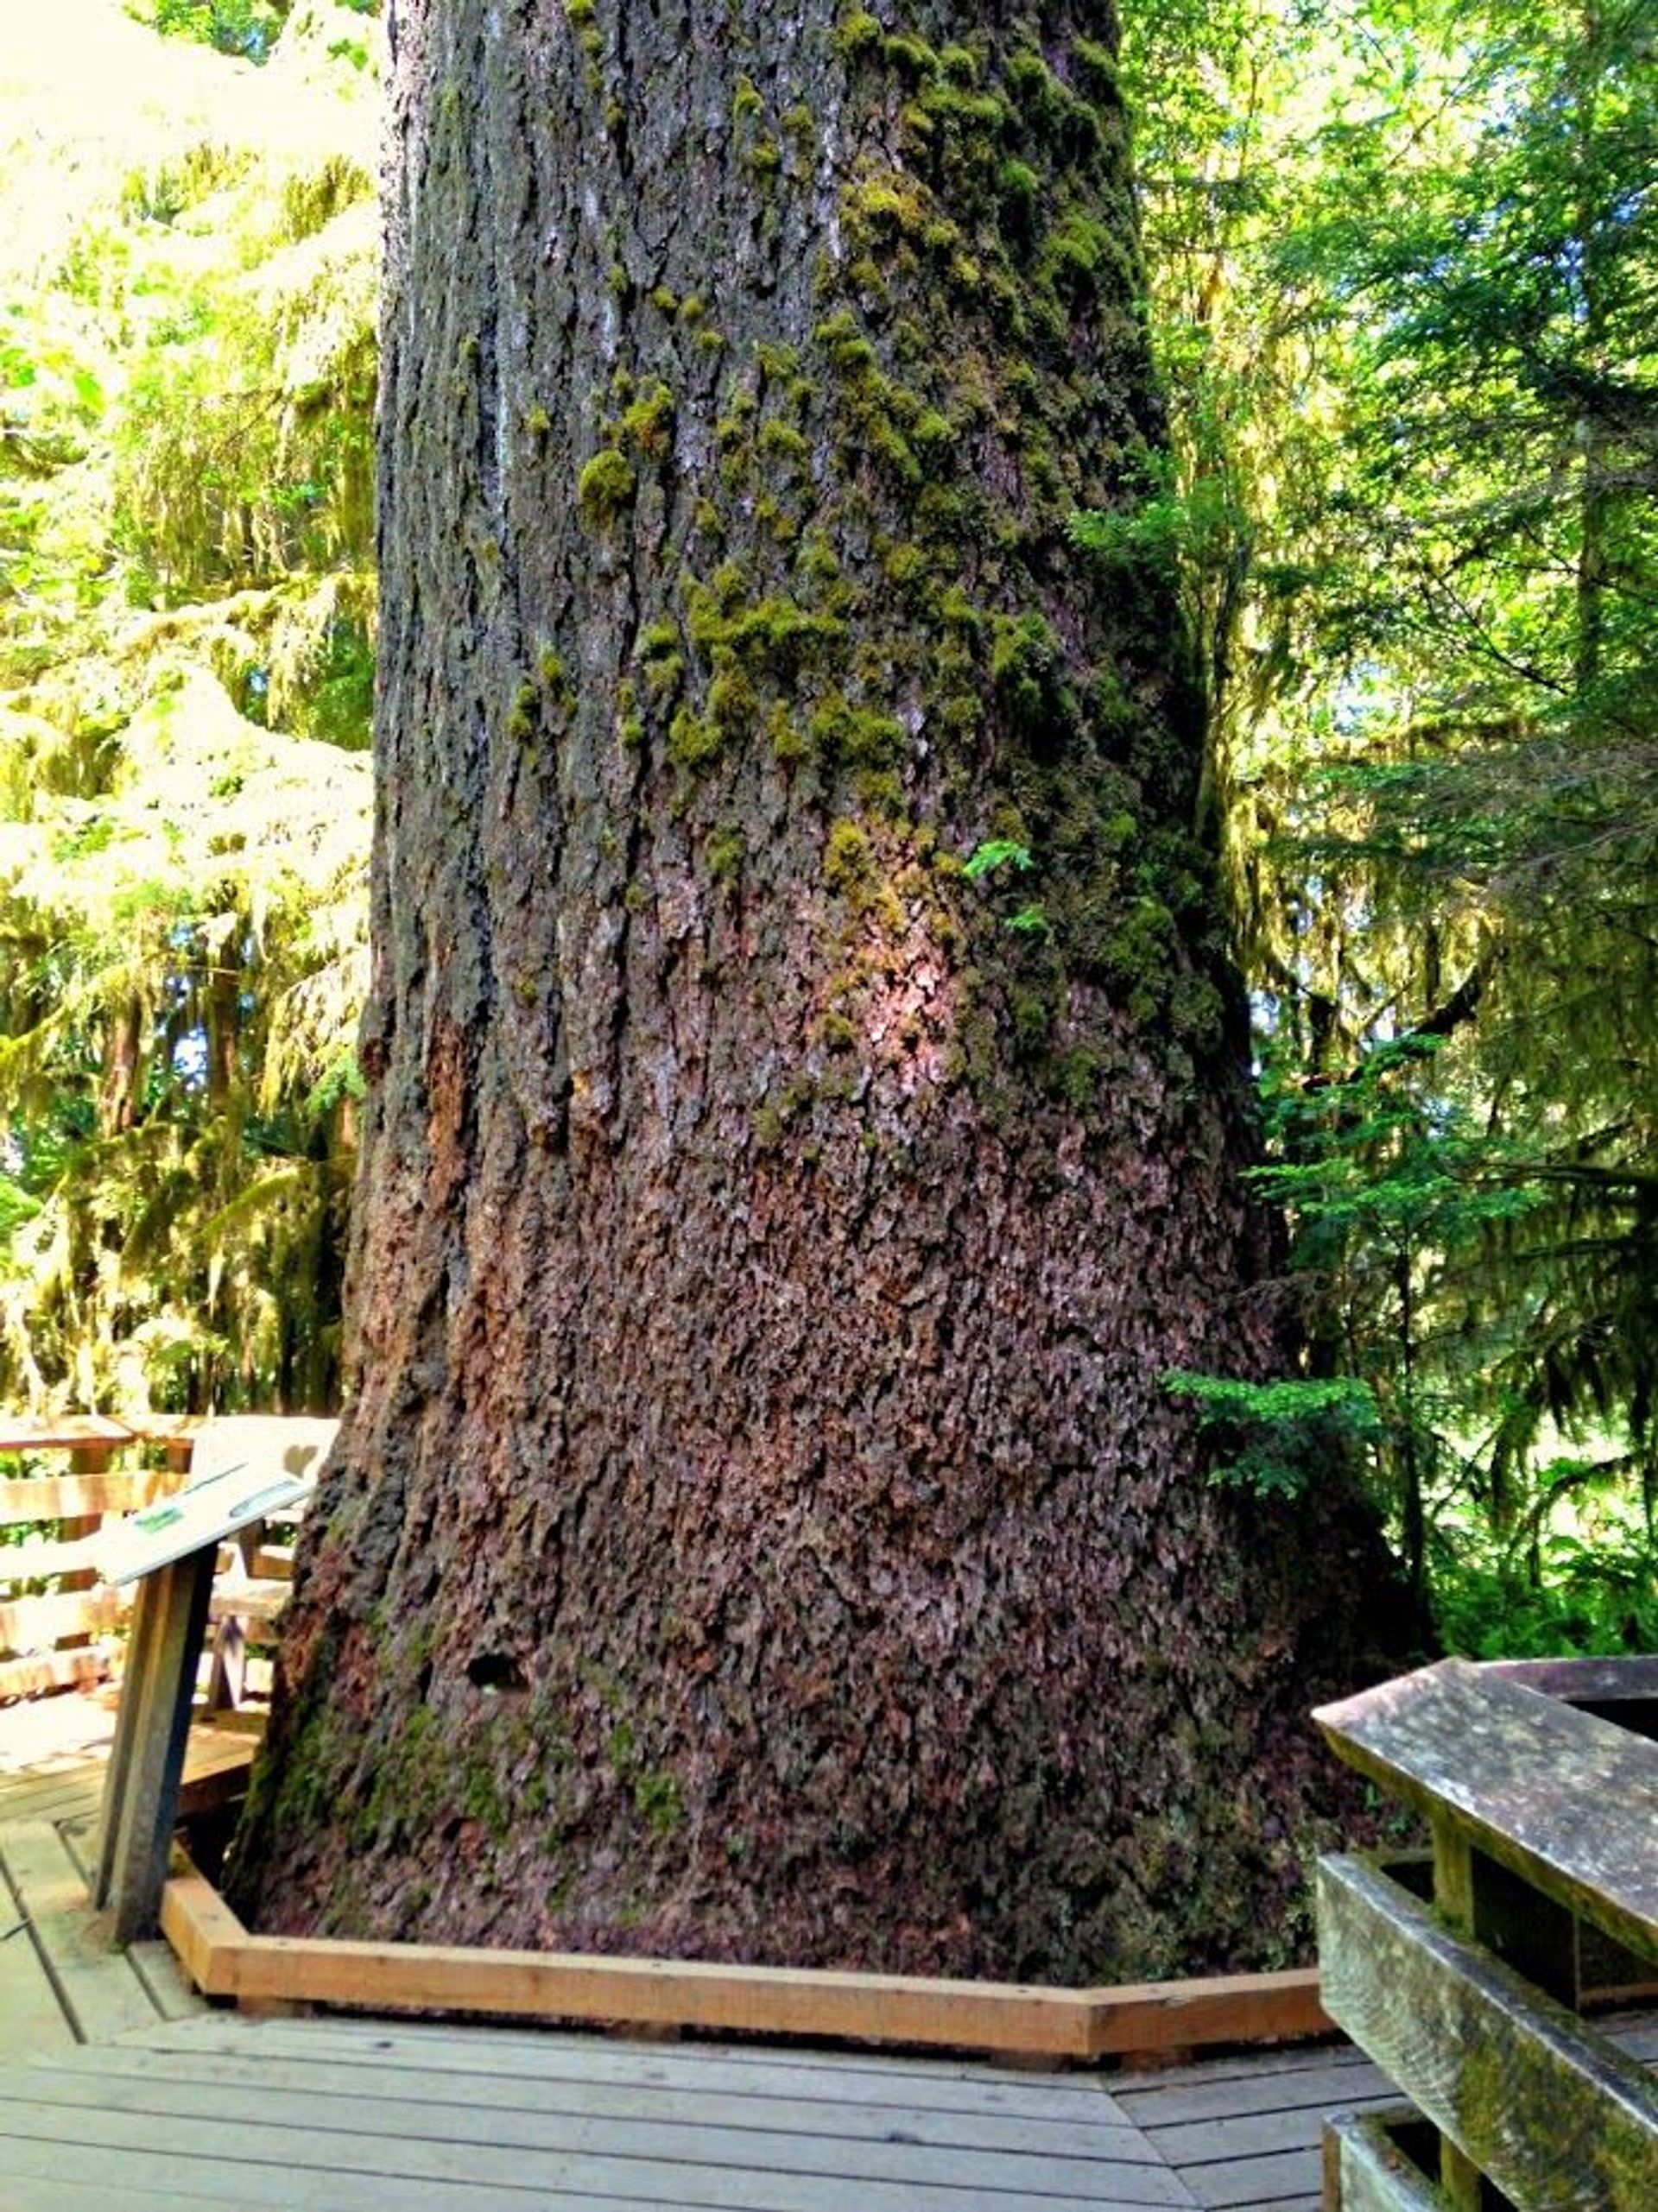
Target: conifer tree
(807,1085)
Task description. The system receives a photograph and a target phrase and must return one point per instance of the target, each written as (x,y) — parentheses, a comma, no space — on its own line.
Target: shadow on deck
(119,2085)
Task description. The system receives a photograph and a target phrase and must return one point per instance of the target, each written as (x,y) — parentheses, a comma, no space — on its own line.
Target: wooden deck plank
(388,2130)
(49,2178)
(1250,2137)
(805,2086)
(707,2070)
(303,2147)
(32,2021)
(760,2109)
(70,1786)
(1244,2132)
(426,2116)
(65,1796)
(1178,2100)
(1232,2185)
(59,1736)
(1253,2134)
(95,1985)
(44,2177)
(534,2038)
(165,1981)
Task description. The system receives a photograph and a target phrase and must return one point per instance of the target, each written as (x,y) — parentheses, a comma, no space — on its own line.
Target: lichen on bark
(759,1528)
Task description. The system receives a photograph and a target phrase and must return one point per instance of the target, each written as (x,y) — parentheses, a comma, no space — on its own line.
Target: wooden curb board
(223,1960)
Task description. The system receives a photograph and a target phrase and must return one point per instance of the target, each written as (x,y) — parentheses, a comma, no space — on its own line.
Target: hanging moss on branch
(187,661)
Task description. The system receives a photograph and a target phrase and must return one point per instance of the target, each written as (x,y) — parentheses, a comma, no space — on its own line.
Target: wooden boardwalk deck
(118,2085)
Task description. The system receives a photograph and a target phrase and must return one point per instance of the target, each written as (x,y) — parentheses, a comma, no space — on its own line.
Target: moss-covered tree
(805,1079)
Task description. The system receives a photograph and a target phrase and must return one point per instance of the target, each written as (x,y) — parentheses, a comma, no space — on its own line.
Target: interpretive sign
(207,1512)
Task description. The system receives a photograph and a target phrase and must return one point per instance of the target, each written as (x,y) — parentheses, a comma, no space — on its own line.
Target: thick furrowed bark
(760,1527)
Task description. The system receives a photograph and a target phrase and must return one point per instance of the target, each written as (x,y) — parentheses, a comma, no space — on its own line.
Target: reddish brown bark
(760,1529)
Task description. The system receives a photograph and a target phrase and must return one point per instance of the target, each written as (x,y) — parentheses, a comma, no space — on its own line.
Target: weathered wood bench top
(1566,1801)
(260,1603)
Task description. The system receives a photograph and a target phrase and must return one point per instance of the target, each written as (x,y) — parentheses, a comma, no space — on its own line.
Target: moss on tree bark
(807,1084)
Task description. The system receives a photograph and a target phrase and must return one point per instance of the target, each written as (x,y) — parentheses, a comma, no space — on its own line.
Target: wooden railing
(60,1624)
(57,1619)
(1544,1820)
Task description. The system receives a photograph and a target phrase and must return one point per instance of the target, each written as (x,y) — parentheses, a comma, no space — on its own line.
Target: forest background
(1400,276)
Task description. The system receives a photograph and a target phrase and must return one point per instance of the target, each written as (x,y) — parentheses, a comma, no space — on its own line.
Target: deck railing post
(1542,1818)
(1453,1899)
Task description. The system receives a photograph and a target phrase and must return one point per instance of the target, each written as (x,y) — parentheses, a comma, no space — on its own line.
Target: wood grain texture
(396,2129)
(161,1978)
(141,1803)
(99,1993)
(352,2116)
(166,1984)
(31,2018)
(201,1927)
(1627,1681)
(67,1788)
(62,1433)
(567,1986)
(1255,2091)
(1366,2171)
(1087,2131)
(72,1497)
(1555,2115)
(225,1961)
(28,1623)
(935,2102)
(531,2060)
(1223,2008)
(42,2176)
(138,2120)
(1566,1801)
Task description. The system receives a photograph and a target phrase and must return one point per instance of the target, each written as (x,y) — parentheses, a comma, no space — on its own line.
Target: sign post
(169,1549)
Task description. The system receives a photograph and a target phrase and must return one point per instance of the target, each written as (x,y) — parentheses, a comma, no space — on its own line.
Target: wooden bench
(1544,1821)
(250,1588)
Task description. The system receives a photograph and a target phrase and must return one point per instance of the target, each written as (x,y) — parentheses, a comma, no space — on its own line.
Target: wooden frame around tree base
(1006,2018)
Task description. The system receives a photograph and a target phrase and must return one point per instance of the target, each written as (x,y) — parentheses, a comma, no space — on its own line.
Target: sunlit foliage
(187,607)
(1405,292)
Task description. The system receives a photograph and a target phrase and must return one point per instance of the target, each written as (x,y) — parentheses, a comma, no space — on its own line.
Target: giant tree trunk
(760,1529)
